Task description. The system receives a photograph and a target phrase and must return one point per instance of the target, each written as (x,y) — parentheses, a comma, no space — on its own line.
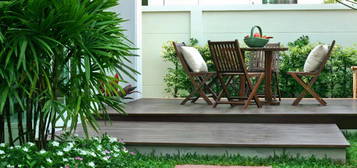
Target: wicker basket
(252,41)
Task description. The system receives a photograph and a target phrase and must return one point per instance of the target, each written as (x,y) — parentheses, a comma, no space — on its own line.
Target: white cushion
(315,58)
(194,59)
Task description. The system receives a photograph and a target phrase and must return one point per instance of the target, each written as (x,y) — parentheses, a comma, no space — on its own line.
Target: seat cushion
(315,58)
(194,59)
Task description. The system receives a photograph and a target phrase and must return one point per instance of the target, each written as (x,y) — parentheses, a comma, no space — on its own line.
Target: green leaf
(3,97)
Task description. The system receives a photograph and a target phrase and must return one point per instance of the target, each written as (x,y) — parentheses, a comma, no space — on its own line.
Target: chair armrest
(303,73)
(202,73)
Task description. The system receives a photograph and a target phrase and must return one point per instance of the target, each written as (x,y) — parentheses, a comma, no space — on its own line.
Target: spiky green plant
(56,58)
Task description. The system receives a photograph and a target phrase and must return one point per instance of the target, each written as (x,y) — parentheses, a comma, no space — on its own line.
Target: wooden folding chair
(201,81)
(308,85)
(229,63)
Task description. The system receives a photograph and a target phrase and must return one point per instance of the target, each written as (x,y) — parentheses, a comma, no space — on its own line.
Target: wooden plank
(173,107)
(226,134)
(342,112)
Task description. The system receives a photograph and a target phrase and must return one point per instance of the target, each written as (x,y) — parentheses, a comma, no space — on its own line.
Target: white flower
(55,143)
(112,139)
(68,147)
(82,152)
(91,164)
(31,144)
(2,145)
(106,158)
(25,149)
(125,150)
(17,147)
(115,155)
(49,160)
(42,151)
(60,153)
(116,149)
(99,147)
(65,160)
(10,166)
(2,152)
(92,154)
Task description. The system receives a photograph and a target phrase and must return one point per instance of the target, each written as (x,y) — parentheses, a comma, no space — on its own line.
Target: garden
(61,64)
(110,152)
(335,81)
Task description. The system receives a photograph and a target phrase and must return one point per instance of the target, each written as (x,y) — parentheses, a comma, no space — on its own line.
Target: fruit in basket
(256,39)
(267,37)
(257,35)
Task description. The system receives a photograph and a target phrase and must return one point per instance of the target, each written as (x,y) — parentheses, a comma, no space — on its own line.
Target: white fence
(323,23)
(219,2)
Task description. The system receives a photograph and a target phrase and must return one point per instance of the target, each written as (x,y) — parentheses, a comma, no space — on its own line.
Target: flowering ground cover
(108,152)
(73,152)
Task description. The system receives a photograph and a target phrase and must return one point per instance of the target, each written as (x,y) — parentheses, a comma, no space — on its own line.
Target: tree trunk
(2,128)
(9,127)
(29,130)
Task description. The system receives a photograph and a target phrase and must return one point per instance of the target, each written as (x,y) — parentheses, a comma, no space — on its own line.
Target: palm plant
(56,58)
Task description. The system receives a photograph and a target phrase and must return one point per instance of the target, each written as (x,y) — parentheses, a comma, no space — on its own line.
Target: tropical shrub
(56,59)
(335,80)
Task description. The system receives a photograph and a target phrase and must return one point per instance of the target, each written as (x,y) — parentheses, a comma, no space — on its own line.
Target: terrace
(157,119)
(157,122)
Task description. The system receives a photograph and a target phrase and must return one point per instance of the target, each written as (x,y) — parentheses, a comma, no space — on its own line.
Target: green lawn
(277,162)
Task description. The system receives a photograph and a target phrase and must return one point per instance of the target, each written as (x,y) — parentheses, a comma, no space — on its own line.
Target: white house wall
(323,23)
(130,10)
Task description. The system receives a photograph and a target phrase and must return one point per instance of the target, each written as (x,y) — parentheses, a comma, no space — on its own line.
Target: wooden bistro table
(268,93)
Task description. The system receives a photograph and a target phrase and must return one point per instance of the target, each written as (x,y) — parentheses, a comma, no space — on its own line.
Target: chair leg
(198,89)
(308,89)
(304,92)
(206,87)
(253,93)
(224,90)
(250,87)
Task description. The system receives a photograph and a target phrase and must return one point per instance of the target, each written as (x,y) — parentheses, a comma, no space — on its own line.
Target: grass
(150,161)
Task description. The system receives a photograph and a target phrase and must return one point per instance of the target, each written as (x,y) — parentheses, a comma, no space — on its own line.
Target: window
(279,1)
(144,2)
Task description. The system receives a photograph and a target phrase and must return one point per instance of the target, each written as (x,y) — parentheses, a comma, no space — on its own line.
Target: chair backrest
(227,56)
(257,58)
(179,55)
(325,59)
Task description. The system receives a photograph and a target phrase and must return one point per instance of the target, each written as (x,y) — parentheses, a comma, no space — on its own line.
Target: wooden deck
(163,126)
(227,134)
(342,112)
(220,138)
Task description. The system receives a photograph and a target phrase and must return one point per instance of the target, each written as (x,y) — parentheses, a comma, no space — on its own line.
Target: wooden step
(219,138)
(339,111)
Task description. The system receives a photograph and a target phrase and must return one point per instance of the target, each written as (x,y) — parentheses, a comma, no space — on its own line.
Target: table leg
(242,81)
(268,79)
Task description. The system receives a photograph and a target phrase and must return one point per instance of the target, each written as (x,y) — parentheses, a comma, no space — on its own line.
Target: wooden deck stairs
(144,129)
